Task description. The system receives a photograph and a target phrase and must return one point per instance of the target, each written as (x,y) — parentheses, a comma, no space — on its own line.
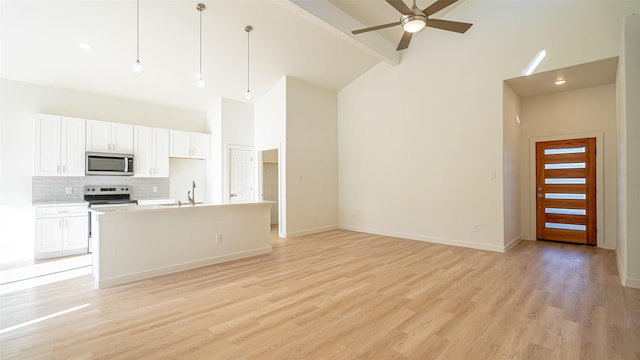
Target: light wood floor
(342,295)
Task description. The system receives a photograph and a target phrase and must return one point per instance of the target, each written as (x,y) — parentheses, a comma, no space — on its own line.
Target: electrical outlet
(155,189)
(218,238)
(68,190)
(476,228)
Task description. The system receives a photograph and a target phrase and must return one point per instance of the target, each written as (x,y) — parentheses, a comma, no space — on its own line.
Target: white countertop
(167,206)
(59,203)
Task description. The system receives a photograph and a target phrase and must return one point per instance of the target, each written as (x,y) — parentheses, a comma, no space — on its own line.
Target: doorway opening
(269,184)
(566,206)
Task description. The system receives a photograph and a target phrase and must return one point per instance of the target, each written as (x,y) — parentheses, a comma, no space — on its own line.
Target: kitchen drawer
(60,211)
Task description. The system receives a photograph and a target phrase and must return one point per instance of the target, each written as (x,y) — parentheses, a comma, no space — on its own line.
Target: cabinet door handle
(64,168)
(58,169)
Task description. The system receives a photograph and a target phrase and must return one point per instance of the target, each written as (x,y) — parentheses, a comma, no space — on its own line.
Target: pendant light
(137,66)
(247,95)
(200,77)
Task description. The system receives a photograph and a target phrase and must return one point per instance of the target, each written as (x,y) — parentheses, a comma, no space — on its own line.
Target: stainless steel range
(109,195)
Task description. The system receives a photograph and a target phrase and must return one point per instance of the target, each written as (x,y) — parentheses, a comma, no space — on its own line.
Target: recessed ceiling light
(85,46)
(560,81)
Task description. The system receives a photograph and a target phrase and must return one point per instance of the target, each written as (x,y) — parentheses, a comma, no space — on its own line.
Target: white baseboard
(511,244)
(430,239)
(177,268)
(311,231)
(624,280)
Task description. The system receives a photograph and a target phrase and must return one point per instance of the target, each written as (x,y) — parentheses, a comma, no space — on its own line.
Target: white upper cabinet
(200,145)
(185,144)
(60,146)
(103,136)
(151,152)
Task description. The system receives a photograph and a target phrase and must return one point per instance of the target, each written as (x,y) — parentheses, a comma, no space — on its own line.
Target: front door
(240,175)
(566,190)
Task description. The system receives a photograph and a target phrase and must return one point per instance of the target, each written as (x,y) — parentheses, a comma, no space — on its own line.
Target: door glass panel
(565,196)
(565,226)
(574,150)
(565,211)
(565,181)
(565,166)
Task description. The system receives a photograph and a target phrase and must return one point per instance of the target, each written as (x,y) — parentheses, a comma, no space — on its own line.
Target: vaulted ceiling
(40,45)
(306,39)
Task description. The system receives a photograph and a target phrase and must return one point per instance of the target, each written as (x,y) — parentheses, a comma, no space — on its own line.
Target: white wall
(570,114)
(237,122)
(628,81)
(214,163)
(511,167)
(300,120)
(21,100)
(270,133)
(271,116)
(421,144)
(312,170)
(230,123)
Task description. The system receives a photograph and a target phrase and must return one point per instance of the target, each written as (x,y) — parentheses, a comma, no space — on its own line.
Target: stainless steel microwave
(109,164)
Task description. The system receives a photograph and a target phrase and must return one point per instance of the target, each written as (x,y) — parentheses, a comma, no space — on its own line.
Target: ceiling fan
(413,20)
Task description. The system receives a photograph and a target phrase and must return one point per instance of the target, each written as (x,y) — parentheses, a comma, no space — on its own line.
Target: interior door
(240,175)
(566,191)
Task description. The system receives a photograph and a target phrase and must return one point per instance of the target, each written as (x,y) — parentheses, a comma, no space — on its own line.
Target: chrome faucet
(191,195)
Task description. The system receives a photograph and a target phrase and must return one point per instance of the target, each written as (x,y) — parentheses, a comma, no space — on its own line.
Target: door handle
(233,195)
(539,195)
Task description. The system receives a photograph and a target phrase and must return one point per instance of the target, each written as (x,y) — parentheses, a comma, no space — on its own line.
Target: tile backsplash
(54,188)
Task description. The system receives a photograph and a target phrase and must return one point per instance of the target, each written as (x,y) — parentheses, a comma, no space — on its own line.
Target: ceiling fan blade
(459,27)
(400,6)
(375,27)
(404,42)
(437,6)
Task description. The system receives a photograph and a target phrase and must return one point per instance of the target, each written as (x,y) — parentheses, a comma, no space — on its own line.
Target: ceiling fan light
(413,23)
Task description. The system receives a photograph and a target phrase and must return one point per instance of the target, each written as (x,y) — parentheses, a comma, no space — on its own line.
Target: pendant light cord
(200,42)
(248,49)
(138,30)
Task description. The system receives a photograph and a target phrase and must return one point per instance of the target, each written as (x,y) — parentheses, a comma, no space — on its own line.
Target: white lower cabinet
(61,231)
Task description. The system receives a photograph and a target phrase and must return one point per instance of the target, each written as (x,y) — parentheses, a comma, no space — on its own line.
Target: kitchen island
(139,242)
